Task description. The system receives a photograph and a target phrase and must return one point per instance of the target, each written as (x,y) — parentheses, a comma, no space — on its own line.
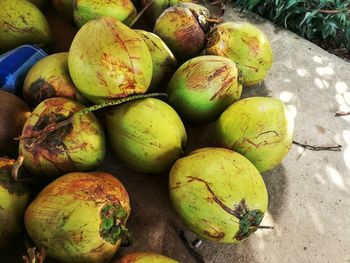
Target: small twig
(198,257)
(327,11)
(141,13)
(319,148)
(337,11)
(342,113)
(262,227)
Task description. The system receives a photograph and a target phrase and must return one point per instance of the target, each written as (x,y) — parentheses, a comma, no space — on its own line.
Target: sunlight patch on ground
(317,59)
(321,83)
(301,150)
(335,177)
(325,71)
(303,72)
(346,136)
(325,83)
(286,96)
(293,110)
(346,152)
(341,87)
(347,157)
(320,179)
(346,96)
(262,233)
(318,82)
(316,219)
(344,105)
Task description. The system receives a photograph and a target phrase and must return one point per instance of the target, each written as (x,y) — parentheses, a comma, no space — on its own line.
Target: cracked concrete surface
(309,192)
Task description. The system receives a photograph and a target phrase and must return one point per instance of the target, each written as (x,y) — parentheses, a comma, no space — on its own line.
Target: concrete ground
(309,192)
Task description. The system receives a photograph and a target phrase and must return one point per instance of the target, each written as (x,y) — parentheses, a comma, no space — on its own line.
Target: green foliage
(326,19)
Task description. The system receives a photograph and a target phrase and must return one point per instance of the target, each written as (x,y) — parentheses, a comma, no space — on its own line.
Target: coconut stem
(141,13)
(16,168)
(41,135)
(262,227)
(336,148)
(119,101)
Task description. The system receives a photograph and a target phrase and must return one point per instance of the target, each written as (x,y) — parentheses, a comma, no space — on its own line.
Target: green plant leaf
(308,17)
(329,29)
(342,18)
(346,39)
(291,3)
(279,11)
(286,19)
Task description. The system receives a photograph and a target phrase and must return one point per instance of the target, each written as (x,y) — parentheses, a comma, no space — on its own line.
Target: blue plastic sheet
(15,64)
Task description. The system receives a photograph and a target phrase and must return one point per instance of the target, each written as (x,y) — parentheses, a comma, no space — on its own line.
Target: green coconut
(157,7)
(147,135)
(50,148)
(219,194)
(183,28)
(145,257)
(108,60)
(203,87)
(14,197)
(164,62)
(86,10)
(21,22)
(246,45)
(260,128)
(13,114)
(80,217)
(50,78)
